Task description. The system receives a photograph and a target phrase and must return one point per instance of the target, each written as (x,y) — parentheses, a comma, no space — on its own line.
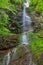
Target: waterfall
(26,19)
(27,3)
(24,14)
(7,59)
(26,23)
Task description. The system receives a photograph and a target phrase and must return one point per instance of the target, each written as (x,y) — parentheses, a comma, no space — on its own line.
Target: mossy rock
(9,41)
(20,51)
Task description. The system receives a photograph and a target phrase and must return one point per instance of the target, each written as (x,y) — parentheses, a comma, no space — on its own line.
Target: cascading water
(26,23)
(7,59)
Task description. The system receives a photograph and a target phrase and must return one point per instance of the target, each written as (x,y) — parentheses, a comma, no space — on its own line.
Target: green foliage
(9,10)
(3,3)
(37,5)
(17,1)
(4,31)
(3,19)
(36,46)
(33,2)
(4,23)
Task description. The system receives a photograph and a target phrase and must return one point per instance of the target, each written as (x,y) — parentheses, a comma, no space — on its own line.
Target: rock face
(8,42)
(37,22)
(16,58)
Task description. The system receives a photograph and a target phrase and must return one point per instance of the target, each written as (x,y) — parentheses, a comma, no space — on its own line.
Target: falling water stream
(26,25)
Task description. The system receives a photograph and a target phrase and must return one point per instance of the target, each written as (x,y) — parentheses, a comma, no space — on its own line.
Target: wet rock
(37,20)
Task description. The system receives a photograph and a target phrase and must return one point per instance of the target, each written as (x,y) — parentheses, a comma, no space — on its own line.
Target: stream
(27,60)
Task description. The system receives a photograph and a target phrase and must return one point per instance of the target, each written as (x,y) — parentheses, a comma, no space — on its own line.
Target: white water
(24,39)
(27,3)
(26,24)
(7,59)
